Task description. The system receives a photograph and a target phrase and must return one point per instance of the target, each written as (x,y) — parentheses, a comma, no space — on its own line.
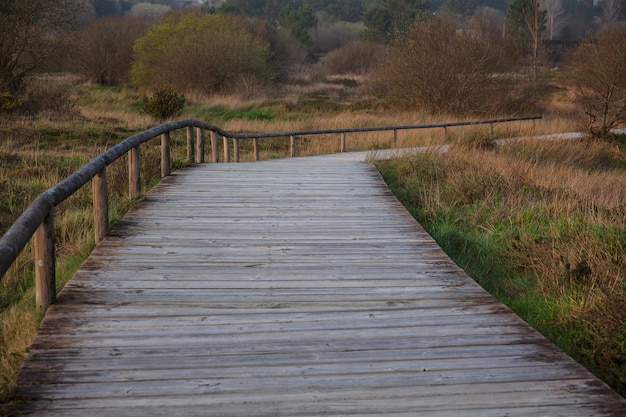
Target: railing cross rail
(38,219)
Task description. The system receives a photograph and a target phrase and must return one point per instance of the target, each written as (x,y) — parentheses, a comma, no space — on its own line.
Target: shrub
(50,94)
(445,69)
(163,104)
(8,102)
(198,53)
(104,49)
(356,57)
(598,76)
(328,36)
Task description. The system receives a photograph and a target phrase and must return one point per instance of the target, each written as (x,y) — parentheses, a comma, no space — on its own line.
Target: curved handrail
(38,218)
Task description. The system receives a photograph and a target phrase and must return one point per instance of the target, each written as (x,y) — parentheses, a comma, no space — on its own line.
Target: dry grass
(542,224)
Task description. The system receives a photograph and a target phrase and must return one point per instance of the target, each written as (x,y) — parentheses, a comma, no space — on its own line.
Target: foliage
(149,10)
(199,53)
(27,30)
(104,8)
(446,70)
(104,49)
(526,22)
(356,57)
(391,19)
(598,76)
(298,23)
(469,7)
(332,35)
(163,104)
(8,103)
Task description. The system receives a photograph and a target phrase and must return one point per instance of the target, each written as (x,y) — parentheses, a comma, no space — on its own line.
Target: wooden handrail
(38,219)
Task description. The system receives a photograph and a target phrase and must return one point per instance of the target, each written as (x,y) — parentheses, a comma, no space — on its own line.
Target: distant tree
(27,31)
(149,10)
(298,23)
(611,11)
(103,8)
(598,76)
(385,21)
(347,10)
(580,15)
(199,53)
(255,8)
(554,13)
(526,22)
(446,70)
(104,48)
(464,7)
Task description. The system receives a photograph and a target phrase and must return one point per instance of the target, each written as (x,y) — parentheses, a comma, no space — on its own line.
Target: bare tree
(535,19)
(27,29)
(554,12)
(598,76)
(611,10)
(104,48)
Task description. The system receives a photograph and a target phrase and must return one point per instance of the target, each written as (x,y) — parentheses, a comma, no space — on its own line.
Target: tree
(391,18)
(201,53)
(27,31)
(611,11)
(526,22)
(598,77)
(149,10)
(104,48)
(446,70)
(554,12)
(298,23)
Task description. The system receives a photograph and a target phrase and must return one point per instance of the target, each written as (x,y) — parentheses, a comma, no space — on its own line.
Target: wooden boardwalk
(297,287)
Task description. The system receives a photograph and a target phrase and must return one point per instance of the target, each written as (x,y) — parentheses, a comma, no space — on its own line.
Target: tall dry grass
(543,225)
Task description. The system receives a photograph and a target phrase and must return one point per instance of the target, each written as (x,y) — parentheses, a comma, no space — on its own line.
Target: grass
(541,225)
(37,152)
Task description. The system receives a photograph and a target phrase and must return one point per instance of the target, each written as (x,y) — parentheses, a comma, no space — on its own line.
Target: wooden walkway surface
(292,288)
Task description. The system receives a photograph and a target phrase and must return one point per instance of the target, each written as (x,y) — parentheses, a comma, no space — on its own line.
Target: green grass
(220,113)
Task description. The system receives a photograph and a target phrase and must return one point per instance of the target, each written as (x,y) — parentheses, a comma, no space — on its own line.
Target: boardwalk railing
(38,218)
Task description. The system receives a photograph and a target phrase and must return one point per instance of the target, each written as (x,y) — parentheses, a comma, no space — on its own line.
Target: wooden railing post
(292,146)
(235,150)
(199,145)
(45,275)
(100,205)
(255,144)
(215,156)
(165,155)
(395,138)
(343,142)
(134,172)
(445,131)
(190,145)
(226,150)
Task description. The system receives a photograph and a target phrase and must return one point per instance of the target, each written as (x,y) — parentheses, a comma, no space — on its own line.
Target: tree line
(447,56)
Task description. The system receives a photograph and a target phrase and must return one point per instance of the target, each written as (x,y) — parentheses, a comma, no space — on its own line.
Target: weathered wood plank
(297,288)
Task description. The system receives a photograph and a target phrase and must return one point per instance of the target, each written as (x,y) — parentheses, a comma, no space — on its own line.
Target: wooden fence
(38,218)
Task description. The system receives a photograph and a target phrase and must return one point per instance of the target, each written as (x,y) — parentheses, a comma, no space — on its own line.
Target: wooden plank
(294,287)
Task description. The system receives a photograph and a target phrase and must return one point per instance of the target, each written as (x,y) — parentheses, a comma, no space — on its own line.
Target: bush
(356,57)
(328,36)
(104,49)
(598,76)
(50,94)
(163,104)
(8,102)
(199,53)
(445,69)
